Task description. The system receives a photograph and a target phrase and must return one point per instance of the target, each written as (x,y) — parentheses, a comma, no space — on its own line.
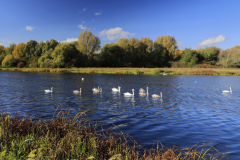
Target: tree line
(163,52)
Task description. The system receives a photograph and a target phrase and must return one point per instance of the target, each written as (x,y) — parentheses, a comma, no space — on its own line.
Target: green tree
(10,61)
(11,48)
(1,58)
(160,56)
(2,50)
(50,45)
(229,57)
(146,49)
(66,55)
(146,45)
(189,56)
(112,55)
(123,42)
(2,53)
(39,49)
(169,43)
(88,43)
(209,53)
(30,48)
(46,60)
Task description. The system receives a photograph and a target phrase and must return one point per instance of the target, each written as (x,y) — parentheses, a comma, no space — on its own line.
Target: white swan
(48,90)
(82,79)
(116,89)
(143,93)
(227,91)
(157,96)
(129,94)
(97,90)
(141,90)
(77,91)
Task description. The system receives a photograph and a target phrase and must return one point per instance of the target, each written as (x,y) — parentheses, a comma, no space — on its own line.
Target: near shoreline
(68,137)
(147,71)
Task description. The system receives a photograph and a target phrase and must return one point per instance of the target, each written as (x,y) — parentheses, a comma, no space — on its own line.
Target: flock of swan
(142,92)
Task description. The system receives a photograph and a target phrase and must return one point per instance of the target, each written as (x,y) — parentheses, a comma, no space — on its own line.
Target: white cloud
(1,44)
(213,40)
(114,33)
(29,28)
(84,9)
(179,43)
(97,13)
(5,41)
(82,27)
(69,40)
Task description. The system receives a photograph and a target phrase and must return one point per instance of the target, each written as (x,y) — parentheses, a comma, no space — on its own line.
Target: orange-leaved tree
(18,50)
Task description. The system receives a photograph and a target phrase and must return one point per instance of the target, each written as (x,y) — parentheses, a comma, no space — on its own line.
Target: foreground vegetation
(152,71)
(66,137)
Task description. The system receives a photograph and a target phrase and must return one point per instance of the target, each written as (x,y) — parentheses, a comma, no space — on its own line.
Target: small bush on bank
(139,72)
(158,71)
(20,65)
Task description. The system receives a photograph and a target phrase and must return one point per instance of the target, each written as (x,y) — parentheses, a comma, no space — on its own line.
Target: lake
(193,108)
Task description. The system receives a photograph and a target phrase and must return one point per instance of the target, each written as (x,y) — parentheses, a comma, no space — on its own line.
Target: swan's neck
(133,92)
(160,94)
(147,90)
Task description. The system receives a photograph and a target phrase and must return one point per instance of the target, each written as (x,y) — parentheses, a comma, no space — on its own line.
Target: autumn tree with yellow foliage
(18,50)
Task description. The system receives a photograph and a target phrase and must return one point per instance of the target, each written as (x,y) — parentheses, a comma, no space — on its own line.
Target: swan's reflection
(157,99)
(129,98)
(116,94)
(49,93)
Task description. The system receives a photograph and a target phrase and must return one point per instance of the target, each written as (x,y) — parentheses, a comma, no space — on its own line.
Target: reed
(68,137)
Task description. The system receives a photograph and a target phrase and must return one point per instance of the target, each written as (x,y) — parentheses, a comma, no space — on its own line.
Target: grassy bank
(64,137)
(170,71)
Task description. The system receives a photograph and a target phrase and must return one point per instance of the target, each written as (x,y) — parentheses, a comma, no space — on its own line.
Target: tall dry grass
(67,137)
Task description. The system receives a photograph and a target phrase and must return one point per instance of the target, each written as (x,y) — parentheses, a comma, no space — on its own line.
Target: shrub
(179,64)
(21,65)
(139,72)
(158,71)
(91,71)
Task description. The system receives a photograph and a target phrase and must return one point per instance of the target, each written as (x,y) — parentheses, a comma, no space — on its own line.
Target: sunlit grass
(67,137)
(150,71)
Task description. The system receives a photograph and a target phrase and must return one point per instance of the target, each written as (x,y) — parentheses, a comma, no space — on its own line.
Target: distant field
(170,71)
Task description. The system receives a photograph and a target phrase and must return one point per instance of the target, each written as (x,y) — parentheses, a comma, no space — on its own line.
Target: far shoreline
(145,71)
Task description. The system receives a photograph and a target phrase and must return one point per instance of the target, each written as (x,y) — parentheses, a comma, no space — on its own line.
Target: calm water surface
(188,113)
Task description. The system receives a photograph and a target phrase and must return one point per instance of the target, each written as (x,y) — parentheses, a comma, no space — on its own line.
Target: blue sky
(193,23)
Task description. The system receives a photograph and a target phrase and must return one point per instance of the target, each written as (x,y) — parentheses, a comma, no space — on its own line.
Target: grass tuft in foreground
(66,137)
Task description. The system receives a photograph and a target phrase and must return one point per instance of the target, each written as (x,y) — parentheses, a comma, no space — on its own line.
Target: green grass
(149,71)
(66,137)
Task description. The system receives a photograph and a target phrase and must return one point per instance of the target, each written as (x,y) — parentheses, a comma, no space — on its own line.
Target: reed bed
(67,137)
